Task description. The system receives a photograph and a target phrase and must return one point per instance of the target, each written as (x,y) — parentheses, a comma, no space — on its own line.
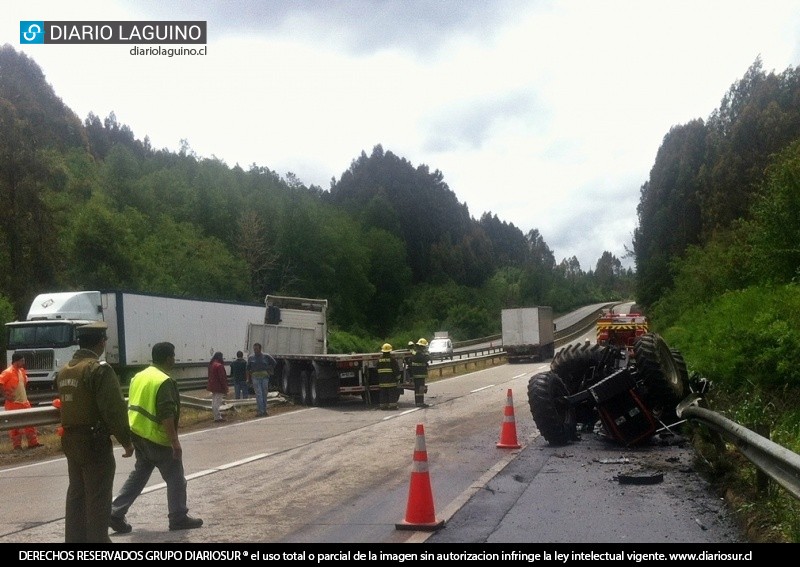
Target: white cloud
(548,114)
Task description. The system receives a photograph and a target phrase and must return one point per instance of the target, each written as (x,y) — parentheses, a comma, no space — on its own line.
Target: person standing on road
(92,409)
(419,372)
(154,411)
(388,371)
(217,384)
(14,381)
(260,366)
(412,349)
(239,377)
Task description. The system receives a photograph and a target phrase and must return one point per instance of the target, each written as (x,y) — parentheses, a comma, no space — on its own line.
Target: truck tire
(305,388)
(551,412)
(321,392)
(576,365)
(314,398)
(282,377)
(664,378)
(286,378)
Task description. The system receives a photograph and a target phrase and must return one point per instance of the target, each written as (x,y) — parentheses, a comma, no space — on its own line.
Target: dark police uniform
(92,409)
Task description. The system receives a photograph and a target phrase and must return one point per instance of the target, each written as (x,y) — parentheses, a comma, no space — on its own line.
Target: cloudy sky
(548,114)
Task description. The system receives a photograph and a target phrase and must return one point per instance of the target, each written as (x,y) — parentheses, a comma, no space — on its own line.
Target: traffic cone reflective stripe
(420,514)
(508,431)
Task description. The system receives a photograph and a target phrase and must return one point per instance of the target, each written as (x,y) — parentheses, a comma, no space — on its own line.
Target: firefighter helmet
(386,347)
(422,342)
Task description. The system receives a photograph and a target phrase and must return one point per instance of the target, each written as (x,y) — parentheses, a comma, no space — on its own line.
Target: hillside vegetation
(718,265)
(87,205)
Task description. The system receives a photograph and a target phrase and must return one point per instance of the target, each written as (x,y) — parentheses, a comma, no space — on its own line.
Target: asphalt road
(594,491)
(341,475)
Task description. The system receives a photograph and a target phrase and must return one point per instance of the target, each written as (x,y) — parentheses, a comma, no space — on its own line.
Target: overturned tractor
(633,393)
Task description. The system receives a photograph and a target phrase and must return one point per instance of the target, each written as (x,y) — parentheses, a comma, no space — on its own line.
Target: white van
(440,348)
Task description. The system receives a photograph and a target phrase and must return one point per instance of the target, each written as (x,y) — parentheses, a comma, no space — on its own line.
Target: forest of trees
(90,206)
(718,241)
(711,183)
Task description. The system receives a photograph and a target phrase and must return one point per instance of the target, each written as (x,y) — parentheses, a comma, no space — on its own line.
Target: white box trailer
(136,321)
(528,333)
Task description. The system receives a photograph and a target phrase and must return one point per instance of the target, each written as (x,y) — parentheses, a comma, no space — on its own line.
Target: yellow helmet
(422,342)
(386,347)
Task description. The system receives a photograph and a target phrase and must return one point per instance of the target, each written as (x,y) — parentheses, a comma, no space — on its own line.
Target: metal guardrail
(50,415)
(34,417)
(776,461)
(472,359)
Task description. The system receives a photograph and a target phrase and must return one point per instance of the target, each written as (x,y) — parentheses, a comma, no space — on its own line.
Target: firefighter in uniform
(419,372)
(412,348)
(92,409)
(388,371)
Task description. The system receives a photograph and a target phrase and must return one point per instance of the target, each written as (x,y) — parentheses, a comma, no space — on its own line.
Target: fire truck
(621,329)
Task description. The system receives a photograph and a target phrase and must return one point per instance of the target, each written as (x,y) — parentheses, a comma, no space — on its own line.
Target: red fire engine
(621,329)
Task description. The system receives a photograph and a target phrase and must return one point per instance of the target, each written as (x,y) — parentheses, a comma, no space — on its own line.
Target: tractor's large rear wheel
(577,364)
(581,366)
(680,363)
(665,379)
(551,412)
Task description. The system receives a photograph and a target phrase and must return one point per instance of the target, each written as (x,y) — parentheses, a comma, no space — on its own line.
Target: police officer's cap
(93,328)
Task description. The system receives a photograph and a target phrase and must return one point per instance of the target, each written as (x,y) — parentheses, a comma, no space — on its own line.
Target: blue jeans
(242,390)
(150,455)
(261,387)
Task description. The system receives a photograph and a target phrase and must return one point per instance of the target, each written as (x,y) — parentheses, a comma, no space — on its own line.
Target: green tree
(775,233)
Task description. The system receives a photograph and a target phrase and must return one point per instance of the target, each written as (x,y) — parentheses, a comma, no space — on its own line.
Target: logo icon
(31,32)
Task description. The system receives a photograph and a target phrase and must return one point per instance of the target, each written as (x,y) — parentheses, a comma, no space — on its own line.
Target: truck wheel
(551,412)
(576,364)
(285,377)
(282,377)
(305,388)
(663,377)
(317,390)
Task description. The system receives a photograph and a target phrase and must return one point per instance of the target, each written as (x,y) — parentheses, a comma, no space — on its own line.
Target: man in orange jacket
(14,379)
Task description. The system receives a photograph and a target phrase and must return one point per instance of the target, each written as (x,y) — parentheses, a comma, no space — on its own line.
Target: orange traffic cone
(419,511)
(508,432)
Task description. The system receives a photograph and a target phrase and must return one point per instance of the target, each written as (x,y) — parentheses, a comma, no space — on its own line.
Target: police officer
(419,372)
(388,371)
(92,409)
